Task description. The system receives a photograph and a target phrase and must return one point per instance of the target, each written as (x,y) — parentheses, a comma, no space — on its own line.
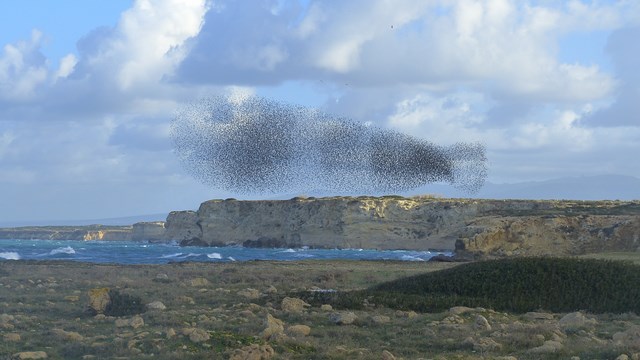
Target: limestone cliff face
(489,227)
(562,235)
(87,233)
(148,231)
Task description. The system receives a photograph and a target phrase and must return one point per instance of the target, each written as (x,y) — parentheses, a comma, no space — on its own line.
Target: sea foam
(9,255)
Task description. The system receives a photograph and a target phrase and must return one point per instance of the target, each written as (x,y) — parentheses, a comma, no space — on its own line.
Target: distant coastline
(480,228)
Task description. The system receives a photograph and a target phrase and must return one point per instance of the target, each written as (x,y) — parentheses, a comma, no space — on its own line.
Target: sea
(128,252)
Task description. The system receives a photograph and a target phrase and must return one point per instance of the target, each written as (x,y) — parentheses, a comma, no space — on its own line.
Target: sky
(88,88)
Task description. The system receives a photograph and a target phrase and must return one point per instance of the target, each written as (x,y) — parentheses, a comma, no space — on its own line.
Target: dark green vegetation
(123,304)
(516,285)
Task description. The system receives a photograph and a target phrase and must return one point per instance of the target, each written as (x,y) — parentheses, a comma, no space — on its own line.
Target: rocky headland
(489,228)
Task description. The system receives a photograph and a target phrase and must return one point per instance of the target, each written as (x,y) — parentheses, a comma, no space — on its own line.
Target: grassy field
(221,311)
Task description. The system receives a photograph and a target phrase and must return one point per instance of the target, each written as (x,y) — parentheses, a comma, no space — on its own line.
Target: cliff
(487,227)
(92,232)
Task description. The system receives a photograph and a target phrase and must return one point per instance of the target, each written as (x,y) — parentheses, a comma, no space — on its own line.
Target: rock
(343,318)
(249,293)
(549,347)
(271,290)
(253,352)
(538,316)
(293,305)
(72,298)
(298,330)
(481,323)
(576,321)
(171,333)
(482,345)
(274,327)
(406,314)
(200,282)
(628,339)
(12,337)
(453,319)
(30,355)
(380,319)
(386,355)
(156,305)
(326,307)
(459,310)
(198,335)
(162,277)
(186,299)
(623,357)
(99,299)
(486,344)
(135,322)
(67,335)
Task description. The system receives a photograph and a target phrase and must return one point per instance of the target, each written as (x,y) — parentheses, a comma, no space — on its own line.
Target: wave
(411,258)
(214,256)
(231,258)
(10,255)
(287,251)
(62,250)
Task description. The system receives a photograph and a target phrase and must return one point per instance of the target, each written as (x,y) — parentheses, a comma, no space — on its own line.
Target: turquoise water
(126,252)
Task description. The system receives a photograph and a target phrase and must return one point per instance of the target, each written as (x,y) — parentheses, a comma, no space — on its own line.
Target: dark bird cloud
(256,145)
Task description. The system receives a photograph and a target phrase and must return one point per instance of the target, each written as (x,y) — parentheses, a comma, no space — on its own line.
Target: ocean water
(126,252)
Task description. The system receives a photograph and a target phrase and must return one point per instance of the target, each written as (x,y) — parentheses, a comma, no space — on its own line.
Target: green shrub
(123,304)
(517,285)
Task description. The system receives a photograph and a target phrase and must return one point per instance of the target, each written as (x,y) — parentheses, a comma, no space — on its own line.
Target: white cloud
(67,65)
(22,69)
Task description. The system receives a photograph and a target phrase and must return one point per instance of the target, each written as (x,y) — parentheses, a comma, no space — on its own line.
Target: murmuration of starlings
(253,145)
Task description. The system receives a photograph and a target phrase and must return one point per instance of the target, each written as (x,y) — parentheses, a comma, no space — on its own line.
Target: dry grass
(39,297)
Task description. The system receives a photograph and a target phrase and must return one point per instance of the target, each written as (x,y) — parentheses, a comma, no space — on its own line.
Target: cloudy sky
(88,88)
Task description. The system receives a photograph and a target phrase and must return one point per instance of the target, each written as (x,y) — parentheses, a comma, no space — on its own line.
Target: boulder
(482,345)
(156,305)
(326,307)
(459,310)
(30,355)
(293,305)
(99,299)
(12,337)
(67,335)
(628,339)
(274,327)
(134,322)
(249,293)
(481,323)
(576,321)
(533,316)
(253,352)
(298,330)
(380,319)
(197,335)
(343,318)
(549,347)
(200,282)
(386,355)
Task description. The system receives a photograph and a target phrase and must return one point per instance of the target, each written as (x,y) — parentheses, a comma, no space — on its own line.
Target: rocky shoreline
(471,227)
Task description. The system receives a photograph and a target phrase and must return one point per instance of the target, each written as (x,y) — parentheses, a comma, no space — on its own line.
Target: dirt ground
(249,311)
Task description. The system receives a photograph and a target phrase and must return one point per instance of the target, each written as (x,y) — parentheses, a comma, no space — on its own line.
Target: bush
(123,304)
(517,285)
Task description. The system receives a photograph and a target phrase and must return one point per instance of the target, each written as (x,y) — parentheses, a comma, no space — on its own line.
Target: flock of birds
(255,145)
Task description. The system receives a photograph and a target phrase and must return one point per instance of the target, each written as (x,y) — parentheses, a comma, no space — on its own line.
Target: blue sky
(88,88)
